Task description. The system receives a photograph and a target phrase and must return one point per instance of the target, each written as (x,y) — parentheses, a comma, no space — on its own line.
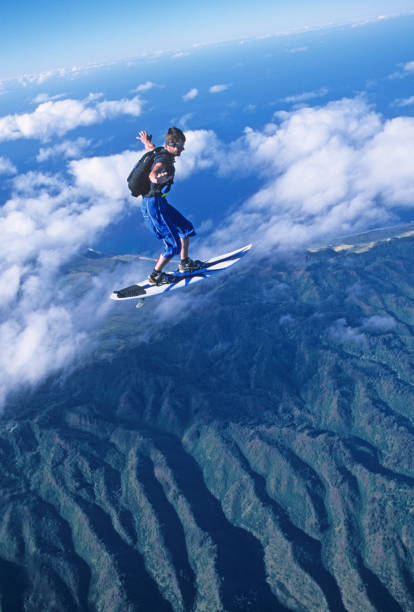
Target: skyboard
(212,267)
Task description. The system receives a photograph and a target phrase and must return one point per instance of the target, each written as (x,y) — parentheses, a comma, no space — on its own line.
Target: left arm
(146,138)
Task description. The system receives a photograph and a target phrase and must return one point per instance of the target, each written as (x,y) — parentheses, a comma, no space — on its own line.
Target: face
(176,148)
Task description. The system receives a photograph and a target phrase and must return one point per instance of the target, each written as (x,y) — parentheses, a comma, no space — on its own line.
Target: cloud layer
(45,318)
(315,172)
(7,166)
(325,171)
(58,117)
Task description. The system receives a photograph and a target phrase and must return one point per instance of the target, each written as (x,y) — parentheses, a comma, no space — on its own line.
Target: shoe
(160,278)
(190,265)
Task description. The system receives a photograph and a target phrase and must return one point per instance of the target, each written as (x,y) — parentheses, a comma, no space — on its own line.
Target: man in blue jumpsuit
(164,220)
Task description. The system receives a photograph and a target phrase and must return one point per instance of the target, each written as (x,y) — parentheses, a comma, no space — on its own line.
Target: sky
(48,35)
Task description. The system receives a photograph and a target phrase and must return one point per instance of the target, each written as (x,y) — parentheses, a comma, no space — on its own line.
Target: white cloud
(387,164)
(42,77)
(106,174)
(308,95)
(190,95)
(404,71)
(379,324)
(67,149)
(183,121)
(404,102)
(45,323)
(342,333)
(59,117)
(36,346)
(144,87)
(48,214)
(218,88)
(45,97)
(409,66)
(67,73)
(7,166)
(202,151)
(329,170)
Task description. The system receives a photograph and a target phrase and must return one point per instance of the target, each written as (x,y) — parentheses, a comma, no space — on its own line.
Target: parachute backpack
(138,181)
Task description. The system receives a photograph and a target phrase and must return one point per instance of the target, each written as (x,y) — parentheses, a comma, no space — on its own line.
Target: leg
(185,243)
(187,264)
(161,263)
(157,276)
(154,210)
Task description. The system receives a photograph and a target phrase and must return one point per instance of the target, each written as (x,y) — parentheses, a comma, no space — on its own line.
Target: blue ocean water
(261,77)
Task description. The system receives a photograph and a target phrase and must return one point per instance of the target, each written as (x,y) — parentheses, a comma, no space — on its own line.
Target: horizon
(14,44)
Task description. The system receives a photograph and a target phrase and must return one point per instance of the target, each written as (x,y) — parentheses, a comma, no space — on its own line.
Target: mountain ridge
(258,455)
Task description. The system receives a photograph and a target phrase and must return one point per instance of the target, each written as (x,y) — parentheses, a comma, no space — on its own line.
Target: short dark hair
(174,135)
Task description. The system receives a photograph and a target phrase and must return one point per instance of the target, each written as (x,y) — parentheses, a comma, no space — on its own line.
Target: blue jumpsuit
(166,223)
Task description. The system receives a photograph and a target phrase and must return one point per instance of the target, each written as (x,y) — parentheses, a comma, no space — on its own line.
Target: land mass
(258,454)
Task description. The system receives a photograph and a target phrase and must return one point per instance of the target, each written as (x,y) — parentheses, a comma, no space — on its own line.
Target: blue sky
(46,35)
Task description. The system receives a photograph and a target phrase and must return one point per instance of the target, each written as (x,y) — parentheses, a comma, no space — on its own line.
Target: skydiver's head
(174,141)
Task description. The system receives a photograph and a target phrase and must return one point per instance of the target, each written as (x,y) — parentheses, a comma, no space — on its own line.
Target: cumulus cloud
(379,324)
(218,88)
(342,333)
(144,87)
(334,169)
(409,66)
(190,95)
(59,117)
(329,170)
(104,174)
(7,166)
(67,149)
(202,151)
(45,321)
(324,171)
(36,346)
(46,214)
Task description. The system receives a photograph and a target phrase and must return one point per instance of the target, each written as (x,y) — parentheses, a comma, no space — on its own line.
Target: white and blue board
(212,267)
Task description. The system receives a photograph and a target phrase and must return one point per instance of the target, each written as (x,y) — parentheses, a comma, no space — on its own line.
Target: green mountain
(255,452)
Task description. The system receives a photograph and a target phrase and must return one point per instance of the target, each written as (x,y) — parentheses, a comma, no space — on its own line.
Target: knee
(170,250)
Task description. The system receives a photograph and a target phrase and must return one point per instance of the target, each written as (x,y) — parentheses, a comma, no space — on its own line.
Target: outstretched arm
(146,138)
(159,175)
